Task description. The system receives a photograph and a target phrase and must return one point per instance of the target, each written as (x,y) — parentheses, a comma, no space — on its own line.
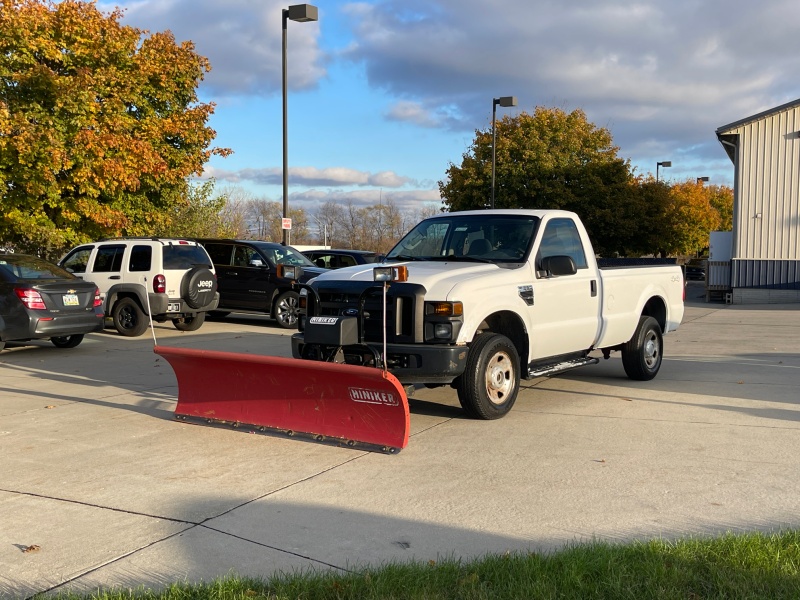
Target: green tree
(655,210)
(550,159)
(200,214)
(100,125)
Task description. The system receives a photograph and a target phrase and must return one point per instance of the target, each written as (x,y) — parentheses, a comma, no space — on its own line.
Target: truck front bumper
(413,363)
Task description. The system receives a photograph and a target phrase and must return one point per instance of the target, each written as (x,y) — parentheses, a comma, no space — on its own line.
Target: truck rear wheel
(489,385)
(641,355)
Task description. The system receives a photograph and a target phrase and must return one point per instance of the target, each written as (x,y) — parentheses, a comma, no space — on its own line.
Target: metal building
(765,253)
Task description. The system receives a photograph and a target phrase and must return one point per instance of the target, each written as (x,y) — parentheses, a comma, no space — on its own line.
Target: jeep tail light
(159,284)
(98,301)
(30,298)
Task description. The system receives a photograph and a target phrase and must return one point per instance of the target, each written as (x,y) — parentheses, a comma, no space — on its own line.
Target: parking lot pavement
(100,487)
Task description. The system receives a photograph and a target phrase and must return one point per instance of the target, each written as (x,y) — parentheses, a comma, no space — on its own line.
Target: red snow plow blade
(360,407)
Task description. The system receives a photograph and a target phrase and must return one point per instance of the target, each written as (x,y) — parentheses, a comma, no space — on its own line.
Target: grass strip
(733,566)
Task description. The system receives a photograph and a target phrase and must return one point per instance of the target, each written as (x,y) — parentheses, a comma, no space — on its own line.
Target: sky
(384,95)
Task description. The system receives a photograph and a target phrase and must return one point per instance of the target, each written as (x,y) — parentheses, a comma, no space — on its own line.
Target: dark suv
(336,259)
(248,281)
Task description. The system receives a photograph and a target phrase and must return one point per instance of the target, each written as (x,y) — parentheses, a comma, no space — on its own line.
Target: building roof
(736,124)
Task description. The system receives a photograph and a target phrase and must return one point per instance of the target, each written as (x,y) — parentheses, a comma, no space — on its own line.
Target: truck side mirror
(556,266)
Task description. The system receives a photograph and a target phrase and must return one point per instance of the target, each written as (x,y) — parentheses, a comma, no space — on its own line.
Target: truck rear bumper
(413,363)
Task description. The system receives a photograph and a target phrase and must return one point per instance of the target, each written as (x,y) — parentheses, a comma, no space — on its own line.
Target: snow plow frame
(325,401)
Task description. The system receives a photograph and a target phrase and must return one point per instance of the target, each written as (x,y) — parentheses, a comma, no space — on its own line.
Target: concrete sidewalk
(100,487)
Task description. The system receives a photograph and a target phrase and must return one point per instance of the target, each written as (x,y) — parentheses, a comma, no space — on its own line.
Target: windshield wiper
(406,257)
(463,258)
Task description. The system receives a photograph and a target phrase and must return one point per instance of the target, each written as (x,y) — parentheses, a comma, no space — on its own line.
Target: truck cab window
(561,238)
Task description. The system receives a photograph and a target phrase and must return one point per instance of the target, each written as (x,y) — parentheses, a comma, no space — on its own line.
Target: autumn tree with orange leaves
(692,212)
(100,125)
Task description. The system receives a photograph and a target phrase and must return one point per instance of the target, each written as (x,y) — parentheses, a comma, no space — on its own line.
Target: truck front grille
(404,310)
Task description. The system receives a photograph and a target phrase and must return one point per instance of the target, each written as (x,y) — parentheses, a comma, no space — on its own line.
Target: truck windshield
(493,238)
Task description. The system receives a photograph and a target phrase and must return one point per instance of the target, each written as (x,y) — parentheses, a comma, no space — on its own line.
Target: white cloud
(309,177)
(241,39)
(408,201)
(662,76)
(657,71)
(412,112)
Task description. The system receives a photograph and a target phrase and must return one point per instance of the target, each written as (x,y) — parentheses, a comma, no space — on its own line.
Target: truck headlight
(442,331)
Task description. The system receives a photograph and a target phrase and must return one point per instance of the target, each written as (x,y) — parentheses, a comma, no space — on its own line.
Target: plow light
(292,272)
(383,274)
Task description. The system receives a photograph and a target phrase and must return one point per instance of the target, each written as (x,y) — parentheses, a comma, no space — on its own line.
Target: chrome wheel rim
(499,378)
(652,350)
(287,310)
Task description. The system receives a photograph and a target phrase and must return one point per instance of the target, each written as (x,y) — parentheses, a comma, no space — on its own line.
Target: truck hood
(438,277)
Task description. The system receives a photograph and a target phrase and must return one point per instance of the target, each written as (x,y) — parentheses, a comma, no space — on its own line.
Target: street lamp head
(506,101)
(702,179)
(302,13)
(666,163)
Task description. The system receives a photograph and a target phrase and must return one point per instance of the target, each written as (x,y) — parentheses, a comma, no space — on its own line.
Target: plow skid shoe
(360,407)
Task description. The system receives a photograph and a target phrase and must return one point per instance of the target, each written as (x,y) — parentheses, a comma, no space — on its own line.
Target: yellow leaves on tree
(692,211)
(100,122)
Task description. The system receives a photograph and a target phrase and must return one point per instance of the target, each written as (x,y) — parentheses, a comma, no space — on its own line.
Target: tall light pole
(666,163)
(505,101)
(301,13)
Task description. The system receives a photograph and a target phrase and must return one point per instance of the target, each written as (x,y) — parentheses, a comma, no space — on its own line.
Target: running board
(552,369)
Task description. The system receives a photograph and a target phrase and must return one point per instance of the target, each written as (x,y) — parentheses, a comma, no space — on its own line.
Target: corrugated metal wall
(768,274)
(768,203)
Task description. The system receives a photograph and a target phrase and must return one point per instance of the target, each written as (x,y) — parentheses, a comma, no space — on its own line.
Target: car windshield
(286,255)
(23,266)
(490,238)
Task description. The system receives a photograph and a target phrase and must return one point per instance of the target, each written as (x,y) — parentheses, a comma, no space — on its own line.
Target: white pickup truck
(486,298)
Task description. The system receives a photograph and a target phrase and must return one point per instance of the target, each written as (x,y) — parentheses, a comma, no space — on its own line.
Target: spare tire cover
(198,287)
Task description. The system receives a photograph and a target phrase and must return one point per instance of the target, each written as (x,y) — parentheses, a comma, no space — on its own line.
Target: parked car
(169,279)
(695,270)
(336,259)
(39,300)
(247,275)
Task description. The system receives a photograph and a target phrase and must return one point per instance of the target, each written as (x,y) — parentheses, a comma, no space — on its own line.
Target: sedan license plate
(70,299)
(174,307)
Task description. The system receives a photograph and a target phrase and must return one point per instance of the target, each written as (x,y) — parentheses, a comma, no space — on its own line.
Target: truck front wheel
(641,355)
(488,387)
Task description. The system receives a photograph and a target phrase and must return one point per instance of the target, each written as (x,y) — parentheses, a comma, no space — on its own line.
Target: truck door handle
(594,287)
(115,277)
(233,273)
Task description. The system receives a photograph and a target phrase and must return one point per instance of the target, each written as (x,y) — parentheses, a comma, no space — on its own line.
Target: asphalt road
(99,486)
